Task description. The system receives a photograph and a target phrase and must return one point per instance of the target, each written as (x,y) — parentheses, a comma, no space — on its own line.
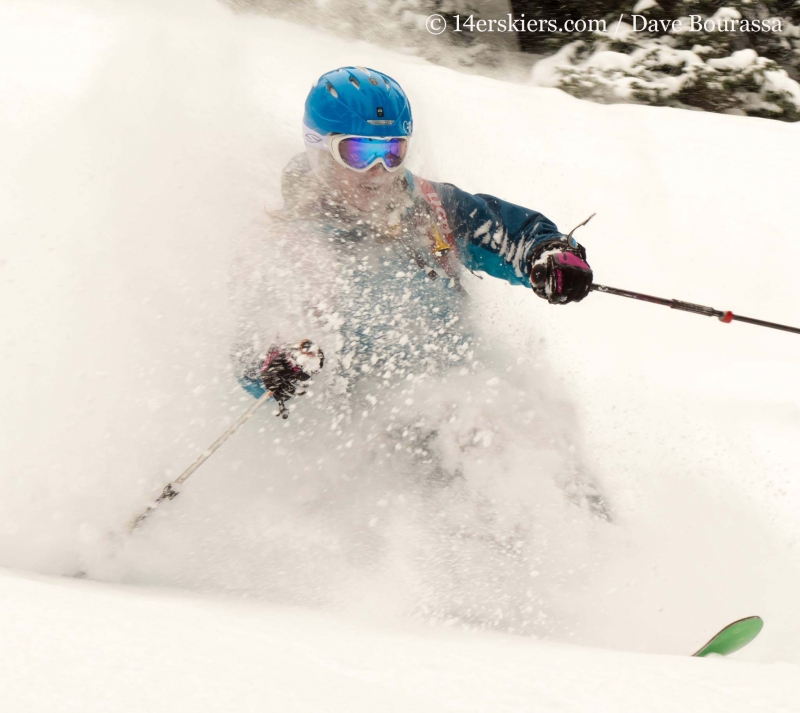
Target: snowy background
(139,142)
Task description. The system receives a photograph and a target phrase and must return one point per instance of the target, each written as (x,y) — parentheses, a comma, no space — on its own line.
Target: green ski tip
(733,637)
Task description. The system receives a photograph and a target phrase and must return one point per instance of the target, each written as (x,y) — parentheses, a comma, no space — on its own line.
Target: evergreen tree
(736,57)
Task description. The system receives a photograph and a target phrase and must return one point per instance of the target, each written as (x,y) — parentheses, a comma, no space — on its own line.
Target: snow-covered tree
(741,57)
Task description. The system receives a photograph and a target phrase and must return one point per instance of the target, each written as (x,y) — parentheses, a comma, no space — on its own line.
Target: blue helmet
(360,101)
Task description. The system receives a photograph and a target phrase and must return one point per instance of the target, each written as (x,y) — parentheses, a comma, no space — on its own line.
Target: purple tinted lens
(396,154)
(362,151)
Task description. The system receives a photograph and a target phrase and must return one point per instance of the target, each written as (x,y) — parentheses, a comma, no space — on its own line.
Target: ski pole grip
(697,309)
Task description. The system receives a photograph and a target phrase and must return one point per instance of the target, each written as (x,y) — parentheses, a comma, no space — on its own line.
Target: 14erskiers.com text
(640,23)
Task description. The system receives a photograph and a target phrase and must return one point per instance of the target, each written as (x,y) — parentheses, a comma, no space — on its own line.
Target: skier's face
(366,192)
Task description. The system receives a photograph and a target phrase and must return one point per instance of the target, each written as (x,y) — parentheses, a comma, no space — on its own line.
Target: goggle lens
(362,151)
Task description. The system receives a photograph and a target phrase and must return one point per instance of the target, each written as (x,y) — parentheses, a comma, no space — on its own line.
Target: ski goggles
(361,153)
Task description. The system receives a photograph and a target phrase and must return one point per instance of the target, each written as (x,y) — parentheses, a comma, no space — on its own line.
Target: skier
(371,260)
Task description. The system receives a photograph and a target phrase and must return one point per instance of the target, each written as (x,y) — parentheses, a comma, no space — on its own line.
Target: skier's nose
(377,170)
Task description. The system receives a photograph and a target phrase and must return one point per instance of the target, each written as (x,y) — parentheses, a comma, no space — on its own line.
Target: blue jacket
(448,228)
(488,234)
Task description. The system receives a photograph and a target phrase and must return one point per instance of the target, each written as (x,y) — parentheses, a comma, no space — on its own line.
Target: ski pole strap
(723,316)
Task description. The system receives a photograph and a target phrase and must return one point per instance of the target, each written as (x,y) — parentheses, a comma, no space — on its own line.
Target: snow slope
(83,647)
(140,141)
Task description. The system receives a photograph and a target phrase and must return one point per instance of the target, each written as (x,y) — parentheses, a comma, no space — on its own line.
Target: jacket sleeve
(247,363)
(491,235)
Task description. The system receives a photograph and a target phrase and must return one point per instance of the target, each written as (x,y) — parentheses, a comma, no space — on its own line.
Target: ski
(733,637)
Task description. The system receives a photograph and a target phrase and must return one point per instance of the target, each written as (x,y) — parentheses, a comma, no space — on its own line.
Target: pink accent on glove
(568,258)
(275,352)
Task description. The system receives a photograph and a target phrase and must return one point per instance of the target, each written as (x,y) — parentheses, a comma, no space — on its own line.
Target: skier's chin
(368,197)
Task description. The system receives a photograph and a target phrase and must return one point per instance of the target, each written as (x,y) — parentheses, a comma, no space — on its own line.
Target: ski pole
(171,489)
(723,316)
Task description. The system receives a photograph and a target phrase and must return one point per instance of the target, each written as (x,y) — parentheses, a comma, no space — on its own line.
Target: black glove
(286,366)
(559,271)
